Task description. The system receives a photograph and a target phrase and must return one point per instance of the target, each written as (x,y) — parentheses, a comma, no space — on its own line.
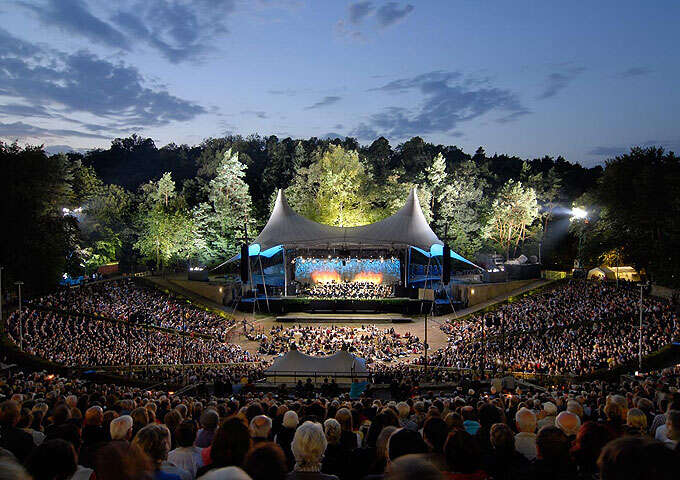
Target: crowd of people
(76,340)
(369,342)
(575,328)
(127,299)
(353,290)
(62,428)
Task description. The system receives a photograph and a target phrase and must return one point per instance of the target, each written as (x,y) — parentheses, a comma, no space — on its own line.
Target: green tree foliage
(161,222)
(513,210)
(219,223)
(639,195)
(332,190)
(36,236)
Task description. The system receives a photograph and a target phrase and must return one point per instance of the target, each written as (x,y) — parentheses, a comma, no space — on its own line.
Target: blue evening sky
(581,79)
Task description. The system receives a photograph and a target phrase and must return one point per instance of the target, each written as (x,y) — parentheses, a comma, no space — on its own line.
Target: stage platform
(343,318)
(397,305)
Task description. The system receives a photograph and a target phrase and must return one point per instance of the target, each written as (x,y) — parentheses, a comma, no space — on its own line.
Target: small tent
(603,272)
(294,366)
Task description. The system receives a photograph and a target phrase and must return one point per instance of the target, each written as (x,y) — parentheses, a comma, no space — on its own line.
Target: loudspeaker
(446,265)
(244,265)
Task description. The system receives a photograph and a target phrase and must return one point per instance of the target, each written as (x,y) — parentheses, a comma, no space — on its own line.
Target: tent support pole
(427,275)
(264,284)
(285,274)
(448,297)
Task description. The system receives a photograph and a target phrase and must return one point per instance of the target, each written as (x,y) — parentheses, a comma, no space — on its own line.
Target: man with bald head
(525,440)
(12,438)
(569,423)
(94,435)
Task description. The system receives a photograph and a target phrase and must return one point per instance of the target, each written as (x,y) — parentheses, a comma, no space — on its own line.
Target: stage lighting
(578,213)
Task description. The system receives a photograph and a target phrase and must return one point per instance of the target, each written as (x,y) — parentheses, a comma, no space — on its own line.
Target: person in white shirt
(186,456)
(525,440)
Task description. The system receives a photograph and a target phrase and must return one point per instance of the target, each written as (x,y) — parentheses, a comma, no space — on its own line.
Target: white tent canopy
(407,227)
(301,365)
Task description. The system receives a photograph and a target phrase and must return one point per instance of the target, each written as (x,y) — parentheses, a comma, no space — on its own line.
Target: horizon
(583,81)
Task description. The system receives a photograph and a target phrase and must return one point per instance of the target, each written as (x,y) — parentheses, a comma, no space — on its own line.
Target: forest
(178,205)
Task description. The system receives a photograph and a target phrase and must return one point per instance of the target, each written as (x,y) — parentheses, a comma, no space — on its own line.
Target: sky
(585,80)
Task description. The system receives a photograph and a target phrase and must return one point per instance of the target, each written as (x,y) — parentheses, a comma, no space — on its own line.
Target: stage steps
(365,318)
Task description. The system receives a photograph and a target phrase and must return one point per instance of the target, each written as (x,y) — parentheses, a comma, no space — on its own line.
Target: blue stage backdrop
(375,270)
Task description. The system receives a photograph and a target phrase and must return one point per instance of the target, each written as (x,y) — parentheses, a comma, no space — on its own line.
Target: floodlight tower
(577,215)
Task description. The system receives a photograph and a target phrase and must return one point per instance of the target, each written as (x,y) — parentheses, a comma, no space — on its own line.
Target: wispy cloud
(324,102)
(391,13)
(447,101)
(255,113)
(24,130)
(360,10)
(180,30)
(634,72)
(557,81)
(40,81)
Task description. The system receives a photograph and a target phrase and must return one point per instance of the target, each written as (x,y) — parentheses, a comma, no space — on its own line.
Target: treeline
(139,204)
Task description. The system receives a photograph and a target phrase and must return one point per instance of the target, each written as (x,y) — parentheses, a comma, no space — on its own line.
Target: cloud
(364,132)
(180,30)
(607,151)
(73,16)
(22,130)
(613,151)
(391,13)
(558,81)
(38,79)
(16,109)
(447,101)
(360,10)
(256,113)
(55,149)
(332,136)
(341,30)
(288,92)
(635,72)
(324,102)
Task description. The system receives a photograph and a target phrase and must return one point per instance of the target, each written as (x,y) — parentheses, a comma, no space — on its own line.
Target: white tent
(625,272)
(295,365)
(406,227)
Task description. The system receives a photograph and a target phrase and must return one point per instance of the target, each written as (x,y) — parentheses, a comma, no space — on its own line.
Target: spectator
(569,423)
(285,436)
(12,438)
(121,428)
(260,429)
(309,445)
(266,461)
(53,459)
(209,420)
(186,456)
(525,439)
(463,457)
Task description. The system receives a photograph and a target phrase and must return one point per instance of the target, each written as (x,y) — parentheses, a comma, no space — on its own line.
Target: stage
(345,306)
(366,318)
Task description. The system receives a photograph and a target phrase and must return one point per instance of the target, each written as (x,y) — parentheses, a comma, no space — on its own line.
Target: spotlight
(578,213)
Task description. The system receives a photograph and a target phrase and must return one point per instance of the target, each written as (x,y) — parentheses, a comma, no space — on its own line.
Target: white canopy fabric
(407,227)
(296,362)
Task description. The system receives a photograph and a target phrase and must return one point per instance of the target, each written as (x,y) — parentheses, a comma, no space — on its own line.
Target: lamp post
(21,322)
(642,287)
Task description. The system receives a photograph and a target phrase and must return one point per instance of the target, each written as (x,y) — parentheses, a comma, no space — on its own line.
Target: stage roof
(407,227)
(341,362)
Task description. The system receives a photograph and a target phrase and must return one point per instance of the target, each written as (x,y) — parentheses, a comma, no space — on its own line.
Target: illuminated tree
(513,210)
(333,189)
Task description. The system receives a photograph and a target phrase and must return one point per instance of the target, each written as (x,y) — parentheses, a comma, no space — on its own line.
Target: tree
(160,222)
(219,223)
(333,189)
(37,237)
(639,194)
(513,210)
